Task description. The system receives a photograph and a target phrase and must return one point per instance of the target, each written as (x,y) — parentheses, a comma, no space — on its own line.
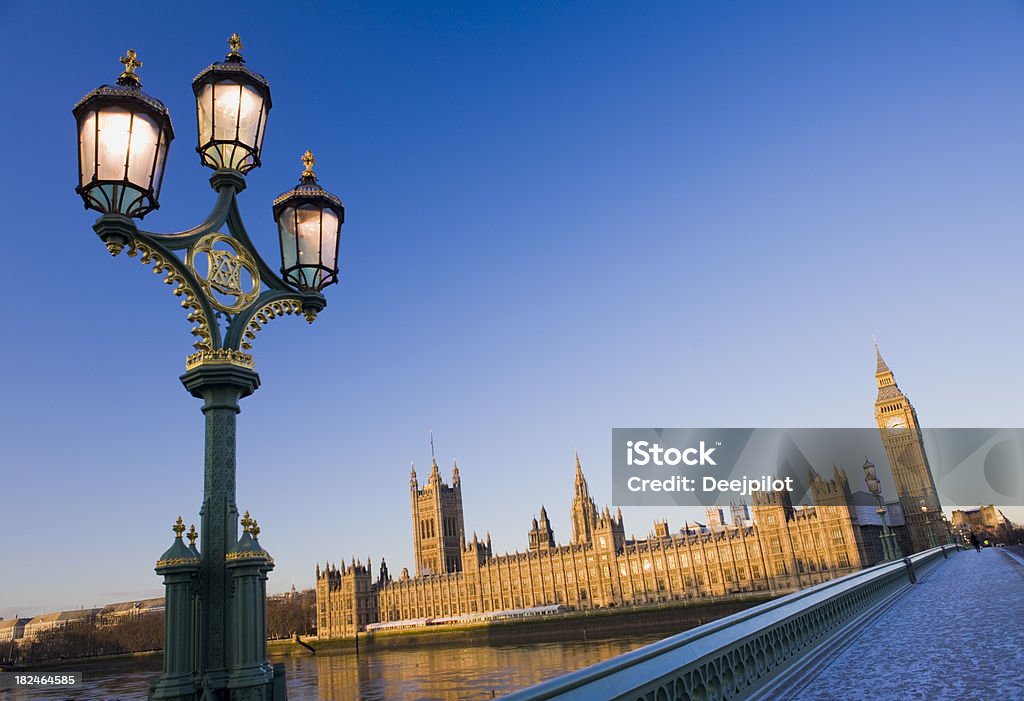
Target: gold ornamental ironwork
(223,274)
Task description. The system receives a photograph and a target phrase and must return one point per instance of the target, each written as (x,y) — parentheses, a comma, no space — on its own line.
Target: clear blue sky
(562,217)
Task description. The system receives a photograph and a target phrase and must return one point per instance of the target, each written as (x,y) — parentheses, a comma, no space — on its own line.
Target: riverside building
(781,548)
(773,546)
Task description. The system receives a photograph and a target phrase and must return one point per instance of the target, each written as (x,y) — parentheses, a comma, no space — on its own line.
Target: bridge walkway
(957,634)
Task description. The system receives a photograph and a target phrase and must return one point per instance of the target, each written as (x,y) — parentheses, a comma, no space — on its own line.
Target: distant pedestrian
(975,542)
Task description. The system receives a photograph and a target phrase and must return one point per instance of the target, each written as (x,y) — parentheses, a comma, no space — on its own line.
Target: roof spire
(880,366)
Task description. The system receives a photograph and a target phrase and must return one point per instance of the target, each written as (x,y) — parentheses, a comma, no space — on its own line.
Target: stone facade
(768,546)
(987,522)
(781,548)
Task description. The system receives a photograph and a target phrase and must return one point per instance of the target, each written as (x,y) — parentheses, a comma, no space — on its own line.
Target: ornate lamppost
(215,641)
(889,551)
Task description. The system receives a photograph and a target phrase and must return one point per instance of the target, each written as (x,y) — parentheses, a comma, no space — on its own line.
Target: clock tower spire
(904,446)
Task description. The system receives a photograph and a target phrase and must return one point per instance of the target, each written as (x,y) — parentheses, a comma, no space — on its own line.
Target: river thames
(437,672)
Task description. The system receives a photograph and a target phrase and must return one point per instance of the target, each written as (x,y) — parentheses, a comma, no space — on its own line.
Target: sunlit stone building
(987,522)
(769,546)
(779,548)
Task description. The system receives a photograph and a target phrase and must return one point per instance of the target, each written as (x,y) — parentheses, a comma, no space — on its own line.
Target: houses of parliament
(771,546)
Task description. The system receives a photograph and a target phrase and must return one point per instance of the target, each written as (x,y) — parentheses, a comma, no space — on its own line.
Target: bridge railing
(735,656)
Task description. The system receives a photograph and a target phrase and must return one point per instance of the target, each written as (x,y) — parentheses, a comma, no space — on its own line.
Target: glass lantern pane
(87,147)
(262,126)
(309,234)
(226,97)
(286,229)
(145,138)
(204,105)
(329,250)
(114,136)
(161,159)
(250,108)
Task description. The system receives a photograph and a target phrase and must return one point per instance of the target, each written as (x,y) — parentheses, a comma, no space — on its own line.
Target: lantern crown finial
(192,534)
(308,161)
(178,528)
(235,55)
(128,78)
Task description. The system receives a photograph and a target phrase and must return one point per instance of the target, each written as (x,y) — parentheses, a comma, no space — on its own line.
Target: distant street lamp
(215,640)
(889,551)
(928,524)
(947,529)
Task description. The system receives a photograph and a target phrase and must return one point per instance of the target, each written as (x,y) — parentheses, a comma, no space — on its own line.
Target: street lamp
(927,523)
(215,639)
(947,529)
(875,487)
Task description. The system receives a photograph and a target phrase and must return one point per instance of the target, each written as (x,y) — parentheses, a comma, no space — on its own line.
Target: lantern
(232,103)
(123,135)
(309,222)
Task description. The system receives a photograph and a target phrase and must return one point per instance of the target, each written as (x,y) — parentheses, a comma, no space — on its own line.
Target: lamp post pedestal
(179,567)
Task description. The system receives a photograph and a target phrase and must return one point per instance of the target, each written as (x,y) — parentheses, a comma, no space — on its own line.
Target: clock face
(896,423)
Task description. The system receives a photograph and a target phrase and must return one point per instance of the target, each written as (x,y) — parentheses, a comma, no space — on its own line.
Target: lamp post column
(220,383)
(888,547)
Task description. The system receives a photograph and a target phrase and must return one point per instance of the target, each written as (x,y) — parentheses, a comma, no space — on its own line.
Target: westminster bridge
(941,624)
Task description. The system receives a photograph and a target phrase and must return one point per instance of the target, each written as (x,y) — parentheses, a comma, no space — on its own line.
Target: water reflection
(117,680)
(445,673)
(436,672)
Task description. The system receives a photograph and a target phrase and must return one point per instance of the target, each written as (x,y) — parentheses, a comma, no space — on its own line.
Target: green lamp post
(889,551)
(215,645)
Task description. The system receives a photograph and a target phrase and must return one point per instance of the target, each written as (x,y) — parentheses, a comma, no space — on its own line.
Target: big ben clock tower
(901,436)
